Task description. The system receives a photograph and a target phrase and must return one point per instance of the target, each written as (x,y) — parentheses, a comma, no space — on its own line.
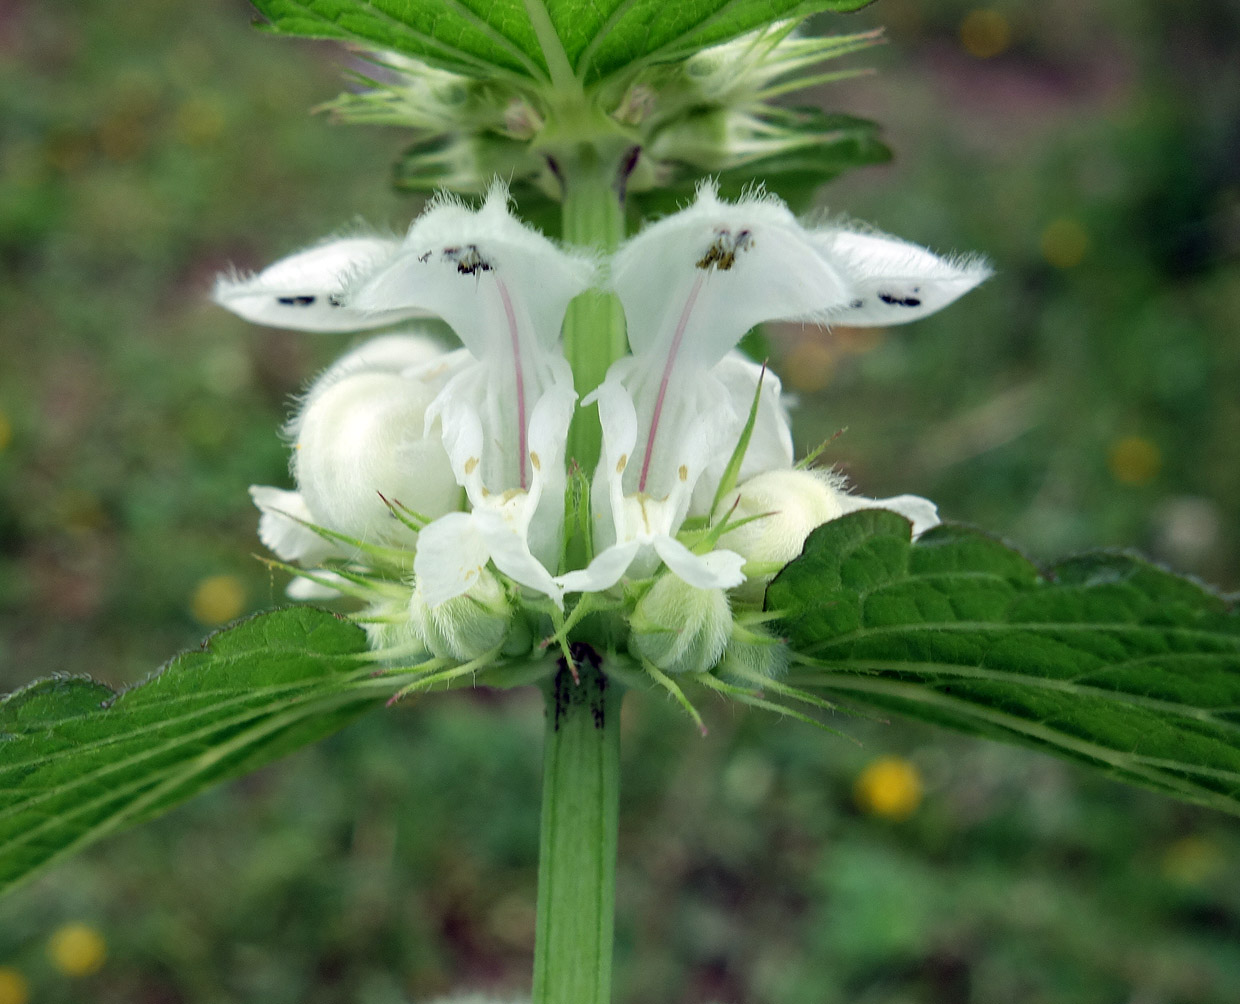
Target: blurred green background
(1088,395)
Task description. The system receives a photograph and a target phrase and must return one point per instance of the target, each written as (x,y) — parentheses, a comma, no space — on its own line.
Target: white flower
(396,421)
(691,286)
(504,415)
(358,441)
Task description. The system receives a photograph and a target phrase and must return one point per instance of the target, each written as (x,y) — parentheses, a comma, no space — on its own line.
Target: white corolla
(385,426)
(673,411)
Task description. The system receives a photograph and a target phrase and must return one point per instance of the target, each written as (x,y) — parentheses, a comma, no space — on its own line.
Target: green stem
(593,218)
(577,851)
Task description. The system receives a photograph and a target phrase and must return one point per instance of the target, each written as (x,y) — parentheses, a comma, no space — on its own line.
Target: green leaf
(79,761)
(1106,659)
(538,40)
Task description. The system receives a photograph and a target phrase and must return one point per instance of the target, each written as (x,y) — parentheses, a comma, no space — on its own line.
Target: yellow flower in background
(889,787)
(217,599)
(77,949)
(13,986)
(985,33)
(1134,461)
(1193,861)
(1064,242)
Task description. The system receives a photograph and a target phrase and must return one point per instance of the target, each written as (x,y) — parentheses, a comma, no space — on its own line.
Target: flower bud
(467,626)
(360,438)
(788,504)
(389,626)
(681,628)
(386,353)
(752,653)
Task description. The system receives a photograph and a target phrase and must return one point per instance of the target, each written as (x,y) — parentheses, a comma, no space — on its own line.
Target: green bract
(512,89)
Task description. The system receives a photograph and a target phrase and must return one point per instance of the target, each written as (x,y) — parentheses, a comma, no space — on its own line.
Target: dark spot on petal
(723,250)
(856,304)
(295,301)
(469,260)
(899,301)
(424,258)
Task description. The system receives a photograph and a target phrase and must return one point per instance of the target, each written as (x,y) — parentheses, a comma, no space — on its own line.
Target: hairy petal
(282,529)
(305,290)
(696,281)
(451,556)
(891,281)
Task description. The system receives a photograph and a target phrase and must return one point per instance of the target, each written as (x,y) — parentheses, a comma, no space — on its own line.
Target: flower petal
(360,442)
(498,283)
(503,288)
(304,291)
(720,569)
(548,441)
(417,356)
(695,282)
(604,571)
(922,513)
(510,552)
(281,532)
(451,556)
(770,443)
(301,588)
(891,281)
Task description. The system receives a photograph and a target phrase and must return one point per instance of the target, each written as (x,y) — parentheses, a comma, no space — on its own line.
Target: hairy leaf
(1105,659)
(78,760)
(537,40)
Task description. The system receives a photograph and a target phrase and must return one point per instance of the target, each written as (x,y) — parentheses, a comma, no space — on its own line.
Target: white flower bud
(359,438)
(681,628)
(467,626)
(788,504)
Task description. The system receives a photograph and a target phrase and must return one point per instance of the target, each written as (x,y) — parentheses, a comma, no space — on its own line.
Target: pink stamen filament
(516,361)
(667,375)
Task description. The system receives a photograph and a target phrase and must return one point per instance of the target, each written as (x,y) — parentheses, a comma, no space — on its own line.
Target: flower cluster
(433,481)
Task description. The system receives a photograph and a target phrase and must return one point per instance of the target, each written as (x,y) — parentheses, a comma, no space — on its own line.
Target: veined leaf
(78,760)
(536,40)
(1106,659)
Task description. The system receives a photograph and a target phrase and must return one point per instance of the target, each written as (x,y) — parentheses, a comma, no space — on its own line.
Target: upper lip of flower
(691,285)
(503,288)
